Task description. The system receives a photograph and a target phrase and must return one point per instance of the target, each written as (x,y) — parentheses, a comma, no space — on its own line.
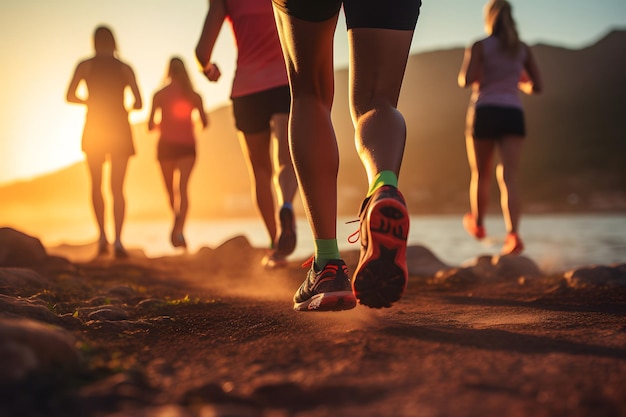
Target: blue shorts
(253,113)
(380,14)
(494,122)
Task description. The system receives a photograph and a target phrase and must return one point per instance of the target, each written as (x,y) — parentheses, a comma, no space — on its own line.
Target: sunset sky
(43,40)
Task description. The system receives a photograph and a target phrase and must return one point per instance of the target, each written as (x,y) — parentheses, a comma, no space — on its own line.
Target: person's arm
(155,105)
(472,66)
(531,82)
(211,29)
(199,105)
(131,81)
(79,75)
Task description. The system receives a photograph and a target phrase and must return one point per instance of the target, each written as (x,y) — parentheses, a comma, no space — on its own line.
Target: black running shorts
(167,150)
(254,112)
(381,14)
(494,122)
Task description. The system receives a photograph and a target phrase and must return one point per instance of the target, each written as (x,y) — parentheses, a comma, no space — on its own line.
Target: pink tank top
(260,62)
(500,76)
(176,122)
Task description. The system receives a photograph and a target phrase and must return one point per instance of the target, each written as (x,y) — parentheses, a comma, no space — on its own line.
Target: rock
(422,262)
(504,268)
(19,249)
(21,281)
(597,276)
(28,346)
(456,277)
(170,410)
(108,314)
(20,307)
(515,267)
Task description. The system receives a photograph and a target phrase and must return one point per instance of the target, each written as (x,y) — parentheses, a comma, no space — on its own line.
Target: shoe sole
(471,228)
(381,277)
(287,239)
(329,301)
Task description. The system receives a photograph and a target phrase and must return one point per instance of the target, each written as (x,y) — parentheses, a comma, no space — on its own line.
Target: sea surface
(555,242)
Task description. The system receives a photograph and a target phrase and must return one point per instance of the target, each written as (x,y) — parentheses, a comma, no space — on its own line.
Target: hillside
(573,159)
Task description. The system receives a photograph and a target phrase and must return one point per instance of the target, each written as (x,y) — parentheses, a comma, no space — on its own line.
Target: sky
(42,41)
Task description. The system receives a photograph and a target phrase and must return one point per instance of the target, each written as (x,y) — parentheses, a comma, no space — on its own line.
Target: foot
(381,275)
(274,259)
(178,240)
(513,245)
(119,251)
(325,290)
(287,240)
(103,247)
(471,227)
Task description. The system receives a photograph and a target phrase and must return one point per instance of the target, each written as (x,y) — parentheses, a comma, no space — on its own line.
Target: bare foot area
(214,334)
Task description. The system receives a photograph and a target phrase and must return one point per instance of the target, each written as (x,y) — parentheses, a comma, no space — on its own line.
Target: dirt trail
(205,339)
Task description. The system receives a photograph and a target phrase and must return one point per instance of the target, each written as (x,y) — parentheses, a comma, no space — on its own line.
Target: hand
(212,72)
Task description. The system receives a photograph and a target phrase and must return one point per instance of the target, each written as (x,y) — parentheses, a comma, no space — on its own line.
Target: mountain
(573,160)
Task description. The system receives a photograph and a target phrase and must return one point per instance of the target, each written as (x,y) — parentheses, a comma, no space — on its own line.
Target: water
(554,242)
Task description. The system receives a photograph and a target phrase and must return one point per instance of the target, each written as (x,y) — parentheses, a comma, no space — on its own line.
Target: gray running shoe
(325,290)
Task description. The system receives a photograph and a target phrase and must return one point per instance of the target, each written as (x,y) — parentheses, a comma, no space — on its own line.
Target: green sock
(325,250)
(383,178)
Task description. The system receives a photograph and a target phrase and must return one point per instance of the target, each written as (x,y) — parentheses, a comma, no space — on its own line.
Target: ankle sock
(383,178)
(325,250)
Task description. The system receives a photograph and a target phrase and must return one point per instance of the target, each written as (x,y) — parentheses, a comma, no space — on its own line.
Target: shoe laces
(308,263)
(355,236)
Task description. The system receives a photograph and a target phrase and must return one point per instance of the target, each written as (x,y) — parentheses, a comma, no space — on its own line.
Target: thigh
(480,154)
(185,166)
(378,63)
(308,49)
(118,172)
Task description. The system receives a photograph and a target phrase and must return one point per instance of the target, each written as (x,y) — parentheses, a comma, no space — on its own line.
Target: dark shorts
(254,112)
(494,122)
(171,150)
(382,14)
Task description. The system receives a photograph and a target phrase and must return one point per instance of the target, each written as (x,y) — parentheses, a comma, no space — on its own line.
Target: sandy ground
(213,334)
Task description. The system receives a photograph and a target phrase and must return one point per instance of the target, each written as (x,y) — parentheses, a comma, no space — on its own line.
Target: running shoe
(325,290)
(178,240)
(513,245)
(274,259)
(287,240)
(381,275)
(469,223)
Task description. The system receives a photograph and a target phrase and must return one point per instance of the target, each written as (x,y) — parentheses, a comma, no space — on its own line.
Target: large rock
(597,276)
(22,282)
(421,262)
(19,249)
(27,346)
(504,268)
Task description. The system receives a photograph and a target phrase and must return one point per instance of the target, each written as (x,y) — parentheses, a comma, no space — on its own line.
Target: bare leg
(285,183)
(185,166)
(97,199)
(256,148)
(167,169)
(118,173)
(376,74)
(312,137)
(510,155)
(480,155)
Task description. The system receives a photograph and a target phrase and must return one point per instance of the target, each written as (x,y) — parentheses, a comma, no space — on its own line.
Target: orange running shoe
(469,223)
(513,245)
(381,275)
